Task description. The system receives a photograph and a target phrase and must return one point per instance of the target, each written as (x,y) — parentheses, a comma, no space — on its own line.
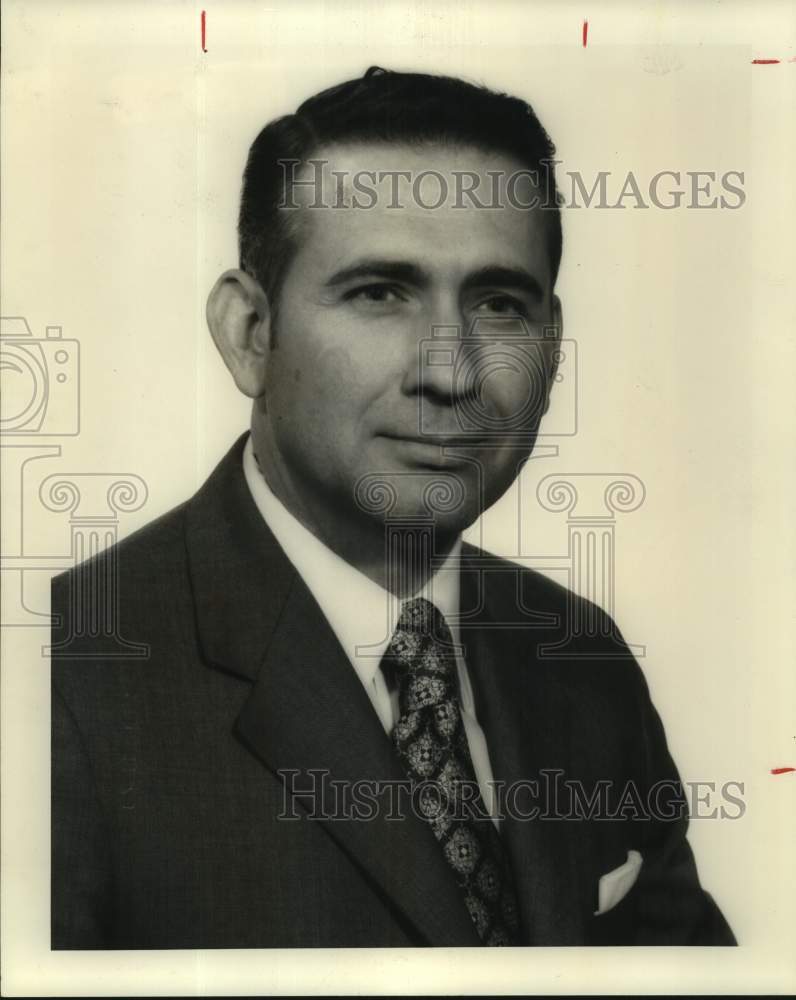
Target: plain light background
(123,146)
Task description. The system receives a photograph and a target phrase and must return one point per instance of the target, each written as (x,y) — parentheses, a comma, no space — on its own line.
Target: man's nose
(432,355)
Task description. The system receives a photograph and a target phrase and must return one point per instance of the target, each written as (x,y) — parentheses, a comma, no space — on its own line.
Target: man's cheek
(333,366)
(518,395)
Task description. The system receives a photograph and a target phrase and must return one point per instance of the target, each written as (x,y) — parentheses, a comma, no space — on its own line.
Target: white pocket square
(615,885)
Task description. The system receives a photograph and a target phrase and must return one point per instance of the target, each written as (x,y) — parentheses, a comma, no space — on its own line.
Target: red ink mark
(764,62)
(585,33)
(782,770)
(204,30)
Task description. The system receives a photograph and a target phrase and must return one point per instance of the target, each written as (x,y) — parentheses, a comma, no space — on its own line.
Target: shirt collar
(362,614)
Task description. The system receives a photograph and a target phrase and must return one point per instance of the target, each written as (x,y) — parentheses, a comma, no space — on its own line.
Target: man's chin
(438,501)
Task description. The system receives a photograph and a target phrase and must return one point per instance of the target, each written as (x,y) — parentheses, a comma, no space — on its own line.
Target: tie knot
(422,618)
(421,656)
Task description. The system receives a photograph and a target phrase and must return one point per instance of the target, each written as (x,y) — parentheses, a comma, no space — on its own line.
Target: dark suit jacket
(166,828)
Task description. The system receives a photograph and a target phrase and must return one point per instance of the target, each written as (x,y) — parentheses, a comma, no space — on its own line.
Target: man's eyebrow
(506,277)
(396,270)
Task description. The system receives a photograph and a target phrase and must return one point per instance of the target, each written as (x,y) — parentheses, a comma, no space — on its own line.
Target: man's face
(359,393)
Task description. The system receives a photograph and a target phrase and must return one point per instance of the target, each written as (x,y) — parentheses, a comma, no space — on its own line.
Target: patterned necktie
(431,742)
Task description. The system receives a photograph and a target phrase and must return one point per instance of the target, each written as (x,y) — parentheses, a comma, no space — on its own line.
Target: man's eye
(502,305)
(378,293)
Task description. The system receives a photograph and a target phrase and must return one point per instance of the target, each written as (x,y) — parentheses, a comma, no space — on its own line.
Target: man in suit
(349,729)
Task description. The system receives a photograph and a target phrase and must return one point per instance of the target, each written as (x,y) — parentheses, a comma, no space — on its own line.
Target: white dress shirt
(363,615)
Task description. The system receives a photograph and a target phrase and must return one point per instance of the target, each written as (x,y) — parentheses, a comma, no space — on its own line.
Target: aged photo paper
(660,487)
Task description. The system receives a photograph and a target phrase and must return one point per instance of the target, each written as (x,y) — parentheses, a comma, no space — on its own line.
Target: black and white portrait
(395,444)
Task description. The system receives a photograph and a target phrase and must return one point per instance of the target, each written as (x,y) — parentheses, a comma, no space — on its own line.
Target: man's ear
(239,318)
(554,331)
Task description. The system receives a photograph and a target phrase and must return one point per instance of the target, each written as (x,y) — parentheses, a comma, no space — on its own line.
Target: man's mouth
(437,452)
(443,440)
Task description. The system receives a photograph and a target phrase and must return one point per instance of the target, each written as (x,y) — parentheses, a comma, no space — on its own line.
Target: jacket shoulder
(110,608)
(513,584)
(152,547)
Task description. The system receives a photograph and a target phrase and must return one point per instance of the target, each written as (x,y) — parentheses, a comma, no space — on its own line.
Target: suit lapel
(307,709)
(525,712)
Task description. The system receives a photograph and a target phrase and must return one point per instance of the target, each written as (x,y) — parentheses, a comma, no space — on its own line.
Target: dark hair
(381,106)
